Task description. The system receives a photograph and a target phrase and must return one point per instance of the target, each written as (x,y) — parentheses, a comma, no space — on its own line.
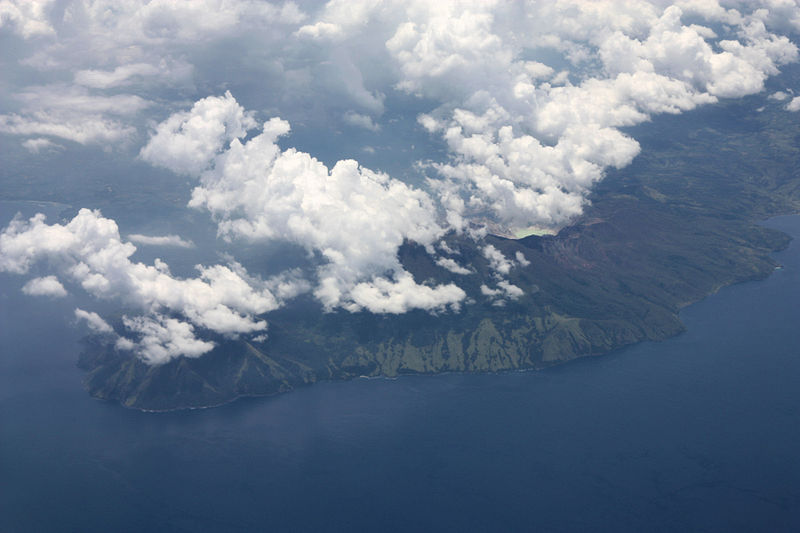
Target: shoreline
(534,368)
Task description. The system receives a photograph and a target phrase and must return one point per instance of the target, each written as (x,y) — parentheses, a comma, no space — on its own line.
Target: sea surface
(697,433)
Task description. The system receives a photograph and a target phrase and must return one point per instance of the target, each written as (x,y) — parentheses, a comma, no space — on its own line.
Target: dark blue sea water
(698,433)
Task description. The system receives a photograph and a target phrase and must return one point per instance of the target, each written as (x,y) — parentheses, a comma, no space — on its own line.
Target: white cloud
(511,291)
(453,266)
(145,47)
(39,144)
(162,339)
(74,114)
(794,105)
(124,33)
(487,291)
(446,248)
(89,251)
(354,218)
(121,75)
(187,141)
(527,149)
(399,295)
(505,291)
(339,18)
(62,98)
(45,286)
(530,96)
(124,344)
(80,130)
(94,321)
(521,259)
(160,240)
(27,18)
(497,261)
(193,20)
(360,121)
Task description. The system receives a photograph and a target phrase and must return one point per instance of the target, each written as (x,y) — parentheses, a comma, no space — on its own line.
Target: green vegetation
(675,226)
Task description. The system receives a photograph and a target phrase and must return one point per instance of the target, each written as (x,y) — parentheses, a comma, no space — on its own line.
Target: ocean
(697,433)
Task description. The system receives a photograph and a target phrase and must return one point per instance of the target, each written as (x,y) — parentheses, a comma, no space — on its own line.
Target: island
(676,225)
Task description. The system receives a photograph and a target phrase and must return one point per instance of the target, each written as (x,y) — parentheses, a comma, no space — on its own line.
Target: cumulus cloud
(452,266)
(355,219)
(527,149)
(529,135)
(505,291)
(497,261)
(45,286)
(794,104)
(529,96)
(124,344)
(94,321)
(187,141)
(162,339)
(88,250)
(402,293)
(501,266)
(160,240)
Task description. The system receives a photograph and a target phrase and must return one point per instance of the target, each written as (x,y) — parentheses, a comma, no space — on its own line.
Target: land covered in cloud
(257,108)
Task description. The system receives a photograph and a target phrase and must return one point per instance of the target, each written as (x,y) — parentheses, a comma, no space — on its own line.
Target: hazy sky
(346,129)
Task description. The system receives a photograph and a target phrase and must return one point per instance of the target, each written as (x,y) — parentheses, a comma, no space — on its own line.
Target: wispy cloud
(160,240)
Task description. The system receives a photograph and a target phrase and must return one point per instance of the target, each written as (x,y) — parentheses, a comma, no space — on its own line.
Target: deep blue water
(698,433)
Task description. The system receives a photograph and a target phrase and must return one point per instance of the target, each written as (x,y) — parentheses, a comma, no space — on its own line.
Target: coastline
(541,366)
(679,224)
